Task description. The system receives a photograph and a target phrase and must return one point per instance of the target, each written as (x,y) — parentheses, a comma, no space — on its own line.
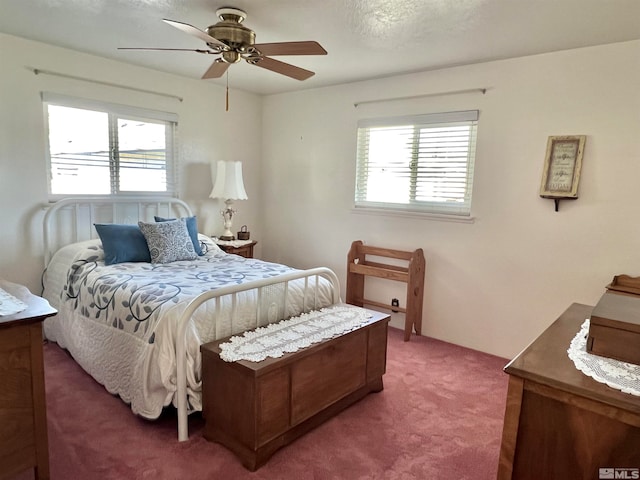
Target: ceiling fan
(234,42)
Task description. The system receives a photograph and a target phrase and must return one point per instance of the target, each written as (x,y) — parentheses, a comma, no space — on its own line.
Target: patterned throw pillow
(168,241)
(192,228)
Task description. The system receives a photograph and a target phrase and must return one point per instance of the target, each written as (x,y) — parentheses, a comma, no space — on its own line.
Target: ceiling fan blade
(284,68)
(168,49)
(191,30)
(217,69)
(291,48)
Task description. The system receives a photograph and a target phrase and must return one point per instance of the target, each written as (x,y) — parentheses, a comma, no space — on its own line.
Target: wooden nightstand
(243,250)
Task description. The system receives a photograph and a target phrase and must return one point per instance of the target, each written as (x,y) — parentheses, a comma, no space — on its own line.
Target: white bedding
(119,321)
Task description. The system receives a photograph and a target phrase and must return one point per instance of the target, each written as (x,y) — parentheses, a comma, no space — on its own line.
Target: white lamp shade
(228,183)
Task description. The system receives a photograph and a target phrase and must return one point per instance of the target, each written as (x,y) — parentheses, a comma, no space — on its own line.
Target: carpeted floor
(439,416)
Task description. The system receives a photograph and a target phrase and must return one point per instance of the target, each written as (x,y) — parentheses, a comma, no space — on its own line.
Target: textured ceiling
(364,38)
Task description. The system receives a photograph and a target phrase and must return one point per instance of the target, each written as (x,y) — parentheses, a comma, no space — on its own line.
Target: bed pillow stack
(168,240)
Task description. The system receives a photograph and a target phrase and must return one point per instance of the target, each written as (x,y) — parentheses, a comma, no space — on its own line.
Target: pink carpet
(438,417)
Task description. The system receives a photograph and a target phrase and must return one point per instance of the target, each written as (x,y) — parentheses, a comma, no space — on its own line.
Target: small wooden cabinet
(243,250)
(255,408)
(23,418)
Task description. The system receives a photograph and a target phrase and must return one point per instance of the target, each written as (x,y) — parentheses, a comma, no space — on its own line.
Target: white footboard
(311,280)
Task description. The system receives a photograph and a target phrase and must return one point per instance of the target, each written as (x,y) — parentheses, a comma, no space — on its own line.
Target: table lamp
(228,185)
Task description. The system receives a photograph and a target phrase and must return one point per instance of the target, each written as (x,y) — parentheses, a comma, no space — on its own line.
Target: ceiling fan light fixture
(235,36)
(230,31)
(234,42)
(230,56)
(231,14)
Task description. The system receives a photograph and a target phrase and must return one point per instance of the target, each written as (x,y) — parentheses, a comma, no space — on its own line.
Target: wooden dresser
(255,408)
(559,423)
(23,418)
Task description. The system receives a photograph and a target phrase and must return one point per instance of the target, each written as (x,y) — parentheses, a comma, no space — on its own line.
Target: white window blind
(103,149)
(418,163)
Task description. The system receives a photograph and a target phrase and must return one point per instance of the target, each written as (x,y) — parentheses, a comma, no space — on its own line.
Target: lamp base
(227,215)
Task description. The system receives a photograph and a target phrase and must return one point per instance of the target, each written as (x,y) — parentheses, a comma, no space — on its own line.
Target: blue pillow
(122,243)
(192,228)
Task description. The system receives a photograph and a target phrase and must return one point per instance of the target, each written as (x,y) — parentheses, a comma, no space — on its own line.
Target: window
(420,163)
(103,149)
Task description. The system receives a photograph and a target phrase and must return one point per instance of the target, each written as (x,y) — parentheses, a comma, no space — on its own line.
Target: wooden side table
(23,416)
(243,250)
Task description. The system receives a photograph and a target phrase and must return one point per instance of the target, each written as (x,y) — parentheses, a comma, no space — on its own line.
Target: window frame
(116,112)
(459,211)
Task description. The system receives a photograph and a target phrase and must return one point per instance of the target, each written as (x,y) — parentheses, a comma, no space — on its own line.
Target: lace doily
(293,334)
(10,304)
(614,373)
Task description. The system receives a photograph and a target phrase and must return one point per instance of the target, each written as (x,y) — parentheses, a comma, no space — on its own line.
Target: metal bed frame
(92,209)
(85,211)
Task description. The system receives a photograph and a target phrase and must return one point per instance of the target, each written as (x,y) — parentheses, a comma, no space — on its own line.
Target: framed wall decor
(562,165)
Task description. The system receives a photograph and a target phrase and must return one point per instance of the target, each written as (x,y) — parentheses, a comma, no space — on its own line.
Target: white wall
(206,133)
(492,285)
(495,284)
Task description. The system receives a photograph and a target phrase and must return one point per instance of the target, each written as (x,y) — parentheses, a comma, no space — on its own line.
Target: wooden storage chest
(255,408)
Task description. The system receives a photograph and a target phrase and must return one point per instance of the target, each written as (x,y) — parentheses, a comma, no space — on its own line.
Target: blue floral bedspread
(119,322)
(133,296)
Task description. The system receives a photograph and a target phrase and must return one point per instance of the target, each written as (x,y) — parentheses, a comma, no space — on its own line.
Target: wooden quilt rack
(358,268)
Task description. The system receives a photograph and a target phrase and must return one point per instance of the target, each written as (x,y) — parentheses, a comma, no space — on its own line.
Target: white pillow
(208,246)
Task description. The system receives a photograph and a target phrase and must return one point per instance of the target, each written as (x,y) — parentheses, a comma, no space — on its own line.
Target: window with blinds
(421,163)
(105,149)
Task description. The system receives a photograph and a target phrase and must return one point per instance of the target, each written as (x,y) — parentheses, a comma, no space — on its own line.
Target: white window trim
(77,102)
(412,209)
(49,98)
(421,215)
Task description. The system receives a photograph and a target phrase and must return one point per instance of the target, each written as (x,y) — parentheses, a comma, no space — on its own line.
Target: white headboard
(71,220)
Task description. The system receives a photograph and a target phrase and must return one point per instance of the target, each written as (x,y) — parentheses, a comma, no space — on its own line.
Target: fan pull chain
(227,96)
